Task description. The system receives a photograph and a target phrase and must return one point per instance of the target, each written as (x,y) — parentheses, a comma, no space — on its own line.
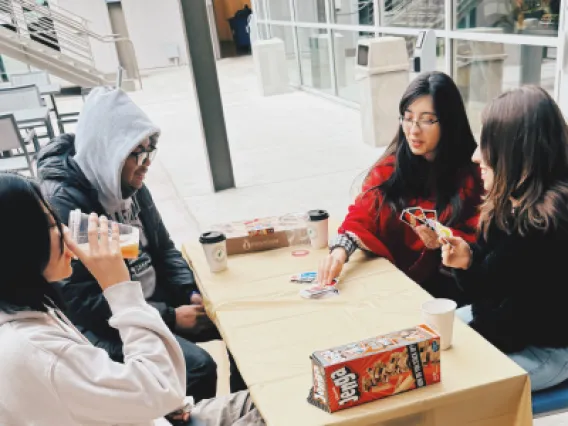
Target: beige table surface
(271,331)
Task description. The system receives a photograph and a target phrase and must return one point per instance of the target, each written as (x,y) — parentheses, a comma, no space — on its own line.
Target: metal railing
(60,30)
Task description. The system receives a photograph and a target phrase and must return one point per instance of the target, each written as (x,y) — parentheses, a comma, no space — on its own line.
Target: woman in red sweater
(428,165)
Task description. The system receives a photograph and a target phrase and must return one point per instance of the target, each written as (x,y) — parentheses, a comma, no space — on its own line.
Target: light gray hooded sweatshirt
(53,376)
(110,127)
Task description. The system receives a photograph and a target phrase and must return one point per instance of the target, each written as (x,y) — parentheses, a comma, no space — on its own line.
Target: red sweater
(387,236)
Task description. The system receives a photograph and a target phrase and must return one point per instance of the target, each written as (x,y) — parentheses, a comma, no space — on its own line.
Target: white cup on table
(215,248)
(317,225)
(439,314)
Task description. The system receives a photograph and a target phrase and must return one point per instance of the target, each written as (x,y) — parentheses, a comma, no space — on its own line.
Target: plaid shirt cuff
(346,242)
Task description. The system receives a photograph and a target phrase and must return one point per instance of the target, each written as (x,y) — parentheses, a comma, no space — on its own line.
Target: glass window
(484,69)
(345,44)
(314,59)
(310,10)
(414,13)
(353,12)
(530,17)
(278,10)
(285,34)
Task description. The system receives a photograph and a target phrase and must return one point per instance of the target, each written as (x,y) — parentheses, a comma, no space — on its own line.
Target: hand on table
(104,258)
(428,237)
(331,266)
(456,253)
(192,318)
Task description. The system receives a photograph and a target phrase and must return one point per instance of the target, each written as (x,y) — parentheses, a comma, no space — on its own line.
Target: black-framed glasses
(145,155)
(423,124)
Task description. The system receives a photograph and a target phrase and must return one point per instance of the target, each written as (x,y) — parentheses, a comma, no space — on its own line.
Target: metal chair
(26,104)
(11,139)
(42,78)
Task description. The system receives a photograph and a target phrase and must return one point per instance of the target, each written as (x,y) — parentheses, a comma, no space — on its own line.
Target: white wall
(96,12)
(152,28)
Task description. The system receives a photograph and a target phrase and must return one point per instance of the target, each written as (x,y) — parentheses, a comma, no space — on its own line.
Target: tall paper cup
(439,314)
(215,248)
(318,228)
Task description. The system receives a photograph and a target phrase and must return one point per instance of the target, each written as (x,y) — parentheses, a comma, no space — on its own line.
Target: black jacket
(517,285)
(66,188)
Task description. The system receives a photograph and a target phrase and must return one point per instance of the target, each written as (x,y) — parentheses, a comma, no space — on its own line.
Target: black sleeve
(173,271)
(497,271)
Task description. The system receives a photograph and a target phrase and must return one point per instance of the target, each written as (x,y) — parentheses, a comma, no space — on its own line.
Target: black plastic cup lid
(316,215)
(212,237)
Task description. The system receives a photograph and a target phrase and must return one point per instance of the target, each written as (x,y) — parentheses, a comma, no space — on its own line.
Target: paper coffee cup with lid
(215,248)
(318,228)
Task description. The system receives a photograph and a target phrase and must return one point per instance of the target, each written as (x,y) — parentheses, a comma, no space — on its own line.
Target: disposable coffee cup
(215,248)
(439,314)
(318,228)
(129,235)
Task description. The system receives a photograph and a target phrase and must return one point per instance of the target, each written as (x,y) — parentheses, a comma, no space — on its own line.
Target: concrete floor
(290,153)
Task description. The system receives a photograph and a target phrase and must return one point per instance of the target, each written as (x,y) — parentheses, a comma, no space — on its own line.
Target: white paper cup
(215,248)
(318,228)
(439,314)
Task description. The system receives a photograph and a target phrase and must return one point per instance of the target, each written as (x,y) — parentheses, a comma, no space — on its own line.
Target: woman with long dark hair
(50,374)
(428,165)
(516,270)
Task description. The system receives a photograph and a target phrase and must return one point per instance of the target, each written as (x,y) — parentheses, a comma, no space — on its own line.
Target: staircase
(57,41)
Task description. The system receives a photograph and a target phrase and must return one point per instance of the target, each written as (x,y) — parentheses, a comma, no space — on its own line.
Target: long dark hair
(524,140)
(442,178)
(26,245)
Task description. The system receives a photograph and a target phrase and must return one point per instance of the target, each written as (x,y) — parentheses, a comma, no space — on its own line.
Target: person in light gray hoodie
(50,374)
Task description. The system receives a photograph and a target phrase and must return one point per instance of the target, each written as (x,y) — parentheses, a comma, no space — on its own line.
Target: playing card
(408,218)
(430,214)
(308,278)
(319,292)
(304,277)
(417,212)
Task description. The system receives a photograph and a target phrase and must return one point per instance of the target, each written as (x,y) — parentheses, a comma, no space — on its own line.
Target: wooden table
(271,331)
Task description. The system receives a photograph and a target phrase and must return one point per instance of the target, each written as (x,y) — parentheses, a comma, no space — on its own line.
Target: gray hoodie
(110,127)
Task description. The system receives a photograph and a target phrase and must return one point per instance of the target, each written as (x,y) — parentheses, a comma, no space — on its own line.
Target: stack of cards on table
(415,216)
(315,291)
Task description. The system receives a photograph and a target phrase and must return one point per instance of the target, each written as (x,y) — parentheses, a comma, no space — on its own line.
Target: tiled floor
(290,152)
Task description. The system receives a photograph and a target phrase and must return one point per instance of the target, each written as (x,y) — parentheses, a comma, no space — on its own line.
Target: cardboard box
(265,233)
(371,369)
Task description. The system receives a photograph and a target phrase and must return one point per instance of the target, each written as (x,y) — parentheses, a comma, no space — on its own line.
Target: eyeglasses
(146,155)
(422,124)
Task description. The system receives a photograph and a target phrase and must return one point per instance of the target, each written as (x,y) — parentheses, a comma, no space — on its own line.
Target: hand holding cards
(416,216)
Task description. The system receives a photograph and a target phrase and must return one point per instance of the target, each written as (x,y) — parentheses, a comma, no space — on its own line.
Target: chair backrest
(19,97)
(41,78)
(10,137)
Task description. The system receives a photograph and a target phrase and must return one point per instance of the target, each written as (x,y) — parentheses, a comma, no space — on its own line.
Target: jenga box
(360,372)
(264,233)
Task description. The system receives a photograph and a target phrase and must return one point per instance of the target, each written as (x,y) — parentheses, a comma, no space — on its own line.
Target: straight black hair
(25,249)
(413,175)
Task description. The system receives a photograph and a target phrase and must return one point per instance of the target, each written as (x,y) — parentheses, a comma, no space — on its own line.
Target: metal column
(202,59)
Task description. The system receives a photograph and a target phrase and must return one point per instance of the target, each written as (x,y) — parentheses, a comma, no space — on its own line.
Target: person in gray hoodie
(50,374)
(101,169)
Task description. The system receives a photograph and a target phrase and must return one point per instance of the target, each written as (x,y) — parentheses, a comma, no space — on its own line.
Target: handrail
(66,30)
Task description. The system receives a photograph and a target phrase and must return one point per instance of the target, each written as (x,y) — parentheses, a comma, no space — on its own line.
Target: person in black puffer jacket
(101,169)
(515,272)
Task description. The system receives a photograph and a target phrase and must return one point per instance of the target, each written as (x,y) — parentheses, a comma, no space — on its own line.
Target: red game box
(375,368)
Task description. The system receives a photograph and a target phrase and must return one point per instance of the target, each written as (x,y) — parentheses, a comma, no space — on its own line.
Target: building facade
(486,45)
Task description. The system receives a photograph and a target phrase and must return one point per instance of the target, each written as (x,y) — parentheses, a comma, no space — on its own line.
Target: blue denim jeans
(547,367)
